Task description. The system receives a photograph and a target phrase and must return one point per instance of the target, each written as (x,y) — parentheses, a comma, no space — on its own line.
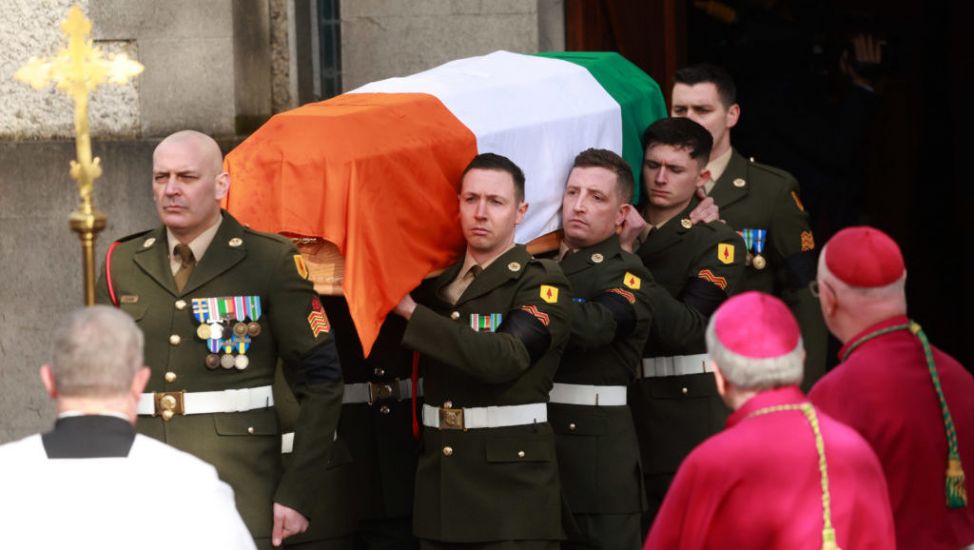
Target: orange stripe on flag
(375,174)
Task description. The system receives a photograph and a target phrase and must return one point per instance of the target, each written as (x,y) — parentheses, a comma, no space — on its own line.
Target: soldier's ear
(222,185)
(623,213)
(522,209)
(47,378)
(733,115)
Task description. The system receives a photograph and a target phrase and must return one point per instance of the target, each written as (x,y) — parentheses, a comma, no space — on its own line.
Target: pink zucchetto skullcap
(864,257)
(757,326)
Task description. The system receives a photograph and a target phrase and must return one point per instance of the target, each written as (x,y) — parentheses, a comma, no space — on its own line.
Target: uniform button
(455,315)
(447,451)
(685,391)
(379,372)
(520,454)
(175,339)
(448,404)
(572,427)
(384,409)
(250,430)
(180,304)
(170,376)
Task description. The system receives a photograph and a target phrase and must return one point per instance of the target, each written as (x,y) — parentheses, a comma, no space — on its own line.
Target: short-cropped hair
(603,158)
(493,161)
(705,73)
(681,133)
(97,352)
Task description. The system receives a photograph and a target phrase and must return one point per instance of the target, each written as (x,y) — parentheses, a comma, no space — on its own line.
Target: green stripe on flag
(637,94)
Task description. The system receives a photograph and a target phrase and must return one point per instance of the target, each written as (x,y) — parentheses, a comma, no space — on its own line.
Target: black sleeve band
(703,296)
(318,365)
(529,330)
(622,311)
(800,269)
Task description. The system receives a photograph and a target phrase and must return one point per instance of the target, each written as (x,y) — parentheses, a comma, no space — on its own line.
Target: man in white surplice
(92,482)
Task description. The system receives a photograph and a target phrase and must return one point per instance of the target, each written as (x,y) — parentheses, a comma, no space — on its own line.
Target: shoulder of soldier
(129,244)
(545,270)
(271,244)
(763,175)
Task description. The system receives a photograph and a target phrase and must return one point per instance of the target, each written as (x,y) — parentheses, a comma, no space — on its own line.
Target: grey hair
(97,352)
(749,373)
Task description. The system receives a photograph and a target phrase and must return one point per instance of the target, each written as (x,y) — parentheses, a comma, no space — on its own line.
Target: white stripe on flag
(539,112)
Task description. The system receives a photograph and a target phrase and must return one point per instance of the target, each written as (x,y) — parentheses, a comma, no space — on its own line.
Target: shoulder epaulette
(777,172)
(134,236)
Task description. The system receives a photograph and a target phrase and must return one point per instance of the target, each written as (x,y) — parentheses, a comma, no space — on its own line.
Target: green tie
(186,264)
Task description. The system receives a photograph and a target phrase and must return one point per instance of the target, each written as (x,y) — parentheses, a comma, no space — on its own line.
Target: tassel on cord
(828,539)
(956,490)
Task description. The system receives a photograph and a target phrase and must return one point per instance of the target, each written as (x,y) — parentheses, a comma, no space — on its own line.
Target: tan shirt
(455,289)
(198,245)
(717,167)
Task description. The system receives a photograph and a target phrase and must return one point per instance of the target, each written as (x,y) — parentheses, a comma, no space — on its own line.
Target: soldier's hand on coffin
(287,522)
(707,211)
(405,307)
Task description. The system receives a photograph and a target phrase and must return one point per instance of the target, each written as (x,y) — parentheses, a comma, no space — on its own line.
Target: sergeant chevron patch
(317,319)
(538,314)
(629,296)
(708,275)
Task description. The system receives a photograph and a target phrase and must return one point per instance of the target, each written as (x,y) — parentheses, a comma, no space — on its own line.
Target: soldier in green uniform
(598,455)
(491,332)
(675,403)
(219,305)
(760,202)
(377,427)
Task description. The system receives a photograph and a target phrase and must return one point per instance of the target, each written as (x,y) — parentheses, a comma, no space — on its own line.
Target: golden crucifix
(77,70)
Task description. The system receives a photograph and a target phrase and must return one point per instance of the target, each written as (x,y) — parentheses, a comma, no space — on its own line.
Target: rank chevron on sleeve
(708,275)
(538,314)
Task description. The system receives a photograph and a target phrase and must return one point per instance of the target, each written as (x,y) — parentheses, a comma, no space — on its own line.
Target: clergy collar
(786,395)
(892,321)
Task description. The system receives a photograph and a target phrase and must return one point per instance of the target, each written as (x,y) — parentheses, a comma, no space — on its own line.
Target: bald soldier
(219,305)
(782,475)
(912,402)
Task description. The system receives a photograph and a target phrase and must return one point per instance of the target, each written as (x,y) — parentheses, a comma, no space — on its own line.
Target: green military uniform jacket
(756,196)
(597,451)
(695,268)
(491,484)
(244,446)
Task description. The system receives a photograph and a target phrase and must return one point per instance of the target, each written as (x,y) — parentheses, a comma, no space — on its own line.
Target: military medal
(760,237)
(487,322)
(748,243)
(241,344)
(203,332)
(216,330)
(241,362)
(239,329)
(212,360)
(253,328)
(227,360)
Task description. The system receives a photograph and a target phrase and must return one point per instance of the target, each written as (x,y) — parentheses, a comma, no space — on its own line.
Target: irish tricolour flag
(375,171)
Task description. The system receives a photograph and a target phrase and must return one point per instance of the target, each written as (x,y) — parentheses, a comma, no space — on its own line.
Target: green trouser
(605,532)
(386,534)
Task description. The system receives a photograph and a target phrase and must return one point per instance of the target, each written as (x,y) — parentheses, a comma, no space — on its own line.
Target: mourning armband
(318,365)
(703,295)
(619,303)
(528,325)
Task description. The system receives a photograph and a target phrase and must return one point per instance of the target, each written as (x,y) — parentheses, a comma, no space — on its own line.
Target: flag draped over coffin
(375,170)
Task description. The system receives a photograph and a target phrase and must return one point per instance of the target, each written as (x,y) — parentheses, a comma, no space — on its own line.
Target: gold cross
(77,70)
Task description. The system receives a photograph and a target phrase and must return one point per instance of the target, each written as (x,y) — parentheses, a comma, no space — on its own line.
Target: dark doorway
(894,163)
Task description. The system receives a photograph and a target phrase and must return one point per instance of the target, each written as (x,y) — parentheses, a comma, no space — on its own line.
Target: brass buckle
(168,404)
(384,390)
(451,419)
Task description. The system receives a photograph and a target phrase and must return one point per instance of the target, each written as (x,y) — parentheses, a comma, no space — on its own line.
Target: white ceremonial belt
(581,394)
(444,418)
(370,392)
(206,402)
(287,442)
(675,365)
